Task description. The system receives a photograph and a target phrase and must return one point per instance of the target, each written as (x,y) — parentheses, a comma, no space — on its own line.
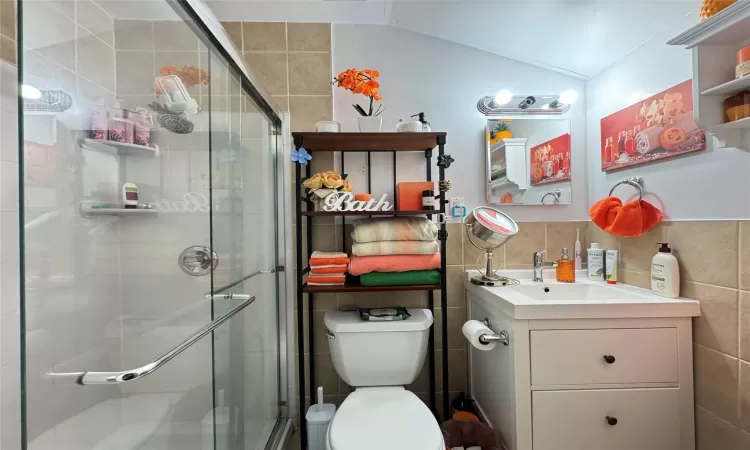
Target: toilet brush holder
(318,418)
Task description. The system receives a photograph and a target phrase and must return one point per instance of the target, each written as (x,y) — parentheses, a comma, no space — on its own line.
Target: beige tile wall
(714,261)
(8,31)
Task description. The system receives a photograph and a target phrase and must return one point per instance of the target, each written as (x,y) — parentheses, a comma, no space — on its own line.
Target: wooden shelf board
(366,213)
(728,27)
(730,88)
(369,142)
(359,288)
(736,125)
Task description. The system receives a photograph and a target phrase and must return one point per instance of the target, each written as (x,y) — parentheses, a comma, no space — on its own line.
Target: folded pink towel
(361,265)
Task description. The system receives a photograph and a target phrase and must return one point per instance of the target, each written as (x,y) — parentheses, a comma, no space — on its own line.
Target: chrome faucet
(539,265)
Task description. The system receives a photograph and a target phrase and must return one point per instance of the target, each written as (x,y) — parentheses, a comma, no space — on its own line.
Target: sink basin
(573,292)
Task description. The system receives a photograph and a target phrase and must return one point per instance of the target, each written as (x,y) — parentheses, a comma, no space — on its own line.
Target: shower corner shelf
(88,211)
(120,148)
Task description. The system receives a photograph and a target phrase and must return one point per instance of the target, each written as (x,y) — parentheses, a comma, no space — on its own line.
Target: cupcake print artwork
(656,128)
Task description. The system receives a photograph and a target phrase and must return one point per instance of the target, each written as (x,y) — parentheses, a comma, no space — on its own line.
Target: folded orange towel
(361,265)
(326,279)
(629,220)
(328,258)
(324,270)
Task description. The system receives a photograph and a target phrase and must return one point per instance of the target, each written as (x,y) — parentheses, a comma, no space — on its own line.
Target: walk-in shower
(152,271)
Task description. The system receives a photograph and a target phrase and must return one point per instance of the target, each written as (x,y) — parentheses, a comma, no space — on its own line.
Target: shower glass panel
(135,95)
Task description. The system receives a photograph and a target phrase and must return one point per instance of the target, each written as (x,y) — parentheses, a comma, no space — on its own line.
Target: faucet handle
(538,257)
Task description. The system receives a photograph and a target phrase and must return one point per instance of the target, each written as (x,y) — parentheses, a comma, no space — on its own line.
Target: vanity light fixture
(568,97)
(502,98)
(30,92)
(536,104)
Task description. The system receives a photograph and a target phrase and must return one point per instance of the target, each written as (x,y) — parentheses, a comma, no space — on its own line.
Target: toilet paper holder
(503,337)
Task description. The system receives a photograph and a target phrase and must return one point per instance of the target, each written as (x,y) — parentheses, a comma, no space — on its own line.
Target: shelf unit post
(300,298)
(443,280)
(431,307)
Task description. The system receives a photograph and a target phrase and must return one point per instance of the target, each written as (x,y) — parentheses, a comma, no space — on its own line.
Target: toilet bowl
(378,359)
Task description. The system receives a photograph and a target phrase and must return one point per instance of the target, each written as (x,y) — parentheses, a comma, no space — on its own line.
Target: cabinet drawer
(612,356)
(616,419)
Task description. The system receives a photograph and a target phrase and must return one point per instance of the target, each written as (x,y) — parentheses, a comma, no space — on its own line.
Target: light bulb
(30,92)
(569,97)
(545,106)
(503,97)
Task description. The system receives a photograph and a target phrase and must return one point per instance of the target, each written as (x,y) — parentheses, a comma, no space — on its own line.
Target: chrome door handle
(227,296)
(87,378)
(198,260)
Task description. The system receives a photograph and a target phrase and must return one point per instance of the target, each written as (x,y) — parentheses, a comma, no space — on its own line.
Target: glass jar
(737,107)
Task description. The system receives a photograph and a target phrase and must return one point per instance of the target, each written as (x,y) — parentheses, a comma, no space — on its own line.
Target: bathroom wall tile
(707,251)
(325,302)
(744,399)
(457,370)
(54,34)
(282,101)
(175,35)
(456,319)
(264,36)
(96,21)
(325,238)
(636,253)
(8,18)
(563,235)
(135,72)
(271,70)
(94,92)
(456,292)
(325,374)
(309,37)
(714,433)
(234,31)
(716,382)
(642,280)
(530,238)
(134,35)
(96,60)
(455,250)
(7,50)
(745,255)
(321,341)
(9,186)
(305,111)
(744,331)
(716,327)
(601,237)
(310,74)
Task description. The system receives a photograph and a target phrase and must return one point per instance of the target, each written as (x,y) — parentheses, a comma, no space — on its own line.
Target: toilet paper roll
(472,329)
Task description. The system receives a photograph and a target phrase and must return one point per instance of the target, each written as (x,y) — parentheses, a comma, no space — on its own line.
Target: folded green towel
(400,278)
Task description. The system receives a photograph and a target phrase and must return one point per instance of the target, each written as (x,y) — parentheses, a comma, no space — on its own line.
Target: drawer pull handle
(609,359)
(612,421)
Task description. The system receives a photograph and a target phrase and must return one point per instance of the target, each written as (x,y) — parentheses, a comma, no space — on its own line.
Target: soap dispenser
(566,270)
(665,273)
(425,124)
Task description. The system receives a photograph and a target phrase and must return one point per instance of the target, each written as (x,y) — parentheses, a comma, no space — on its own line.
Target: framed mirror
(528,161)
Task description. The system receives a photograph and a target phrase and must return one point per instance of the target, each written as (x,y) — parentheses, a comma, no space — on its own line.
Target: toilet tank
(375,353)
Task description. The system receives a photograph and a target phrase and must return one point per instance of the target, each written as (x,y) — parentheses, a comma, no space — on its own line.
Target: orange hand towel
(328,270)
(328,258)
(629,220)
(326,279)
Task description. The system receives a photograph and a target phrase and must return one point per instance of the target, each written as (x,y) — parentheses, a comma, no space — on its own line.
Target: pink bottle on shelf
(117,124)
(142,121)
(99,122)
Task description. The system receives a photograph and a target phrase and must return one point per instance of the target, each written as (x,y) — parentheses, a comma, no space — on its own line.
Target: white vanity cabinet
(586,375)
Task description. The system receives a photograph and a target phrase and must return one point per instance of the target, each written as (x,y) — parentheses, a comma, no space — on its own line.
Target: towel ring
(636,182)
(555,194)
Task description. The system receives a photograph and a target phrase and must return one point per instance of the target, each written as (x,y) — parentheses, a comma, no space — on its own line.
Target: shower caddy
(368,142)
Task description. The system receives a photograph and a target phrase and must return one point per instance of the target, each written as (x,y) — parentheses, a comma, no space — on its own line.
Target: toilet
(378,359)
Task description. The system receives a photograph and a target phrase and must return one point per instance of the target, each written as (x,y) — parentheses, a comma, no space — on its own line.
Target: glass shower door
(118,304)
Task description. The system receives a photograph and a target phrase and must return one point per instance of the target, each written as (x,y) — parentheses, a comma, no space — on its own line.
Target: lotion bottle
(665,273)
(596,262)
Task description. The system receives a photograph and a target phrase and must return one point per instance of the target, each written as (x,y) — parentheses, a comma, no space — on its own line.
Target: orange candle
(362,197)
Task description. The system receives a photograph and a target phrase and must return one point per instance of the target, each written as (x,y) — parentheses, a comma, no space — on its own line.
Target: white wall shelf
(120,148)
(87,211)
(730,88)
(743,124)
(728,27)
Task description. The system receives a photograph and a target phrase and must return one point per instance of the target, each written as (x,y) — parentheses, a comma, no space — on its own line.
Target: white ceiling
(581,38)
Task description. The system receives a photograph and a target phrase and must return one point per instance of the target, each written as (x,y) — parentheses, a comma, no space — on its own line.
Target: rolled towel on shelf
(361,265)
(394,229)
(395,248)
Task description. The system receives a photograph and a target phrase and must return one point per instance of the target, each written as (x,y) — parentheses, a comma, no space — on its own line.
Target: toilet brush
(318,418)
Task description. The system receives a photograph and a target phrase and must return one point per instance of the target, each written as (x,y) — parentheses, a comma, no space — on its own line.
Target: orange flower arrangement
(361,82)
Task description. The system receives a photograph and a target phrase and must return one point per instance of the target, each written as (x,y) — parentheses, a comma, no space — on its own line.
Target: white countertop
(605,301)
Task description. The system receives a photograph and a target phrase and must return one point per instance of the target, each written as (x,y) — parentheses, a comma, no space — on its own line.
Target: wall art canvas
(550,161)
(656,128)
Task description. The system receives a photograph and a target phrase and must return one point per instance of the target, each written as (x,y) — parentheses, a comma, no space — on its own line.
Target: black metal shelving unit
(368,143)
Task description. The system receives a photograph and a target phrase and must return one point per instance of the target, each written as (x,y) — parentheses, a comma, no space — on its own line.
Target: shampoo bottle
(596,262)
(665,273)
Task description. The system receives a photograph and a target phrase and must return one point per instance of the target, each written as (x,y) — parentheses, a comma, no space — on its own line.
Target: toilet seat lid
(384,419)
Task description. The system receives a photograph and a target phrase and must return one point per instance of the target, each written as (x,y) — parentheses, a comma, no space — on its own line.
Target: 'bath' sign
(344,201)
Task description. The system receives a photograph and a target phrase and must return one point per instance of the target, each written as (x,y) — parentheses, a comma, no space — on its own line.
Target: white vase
(370,124)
